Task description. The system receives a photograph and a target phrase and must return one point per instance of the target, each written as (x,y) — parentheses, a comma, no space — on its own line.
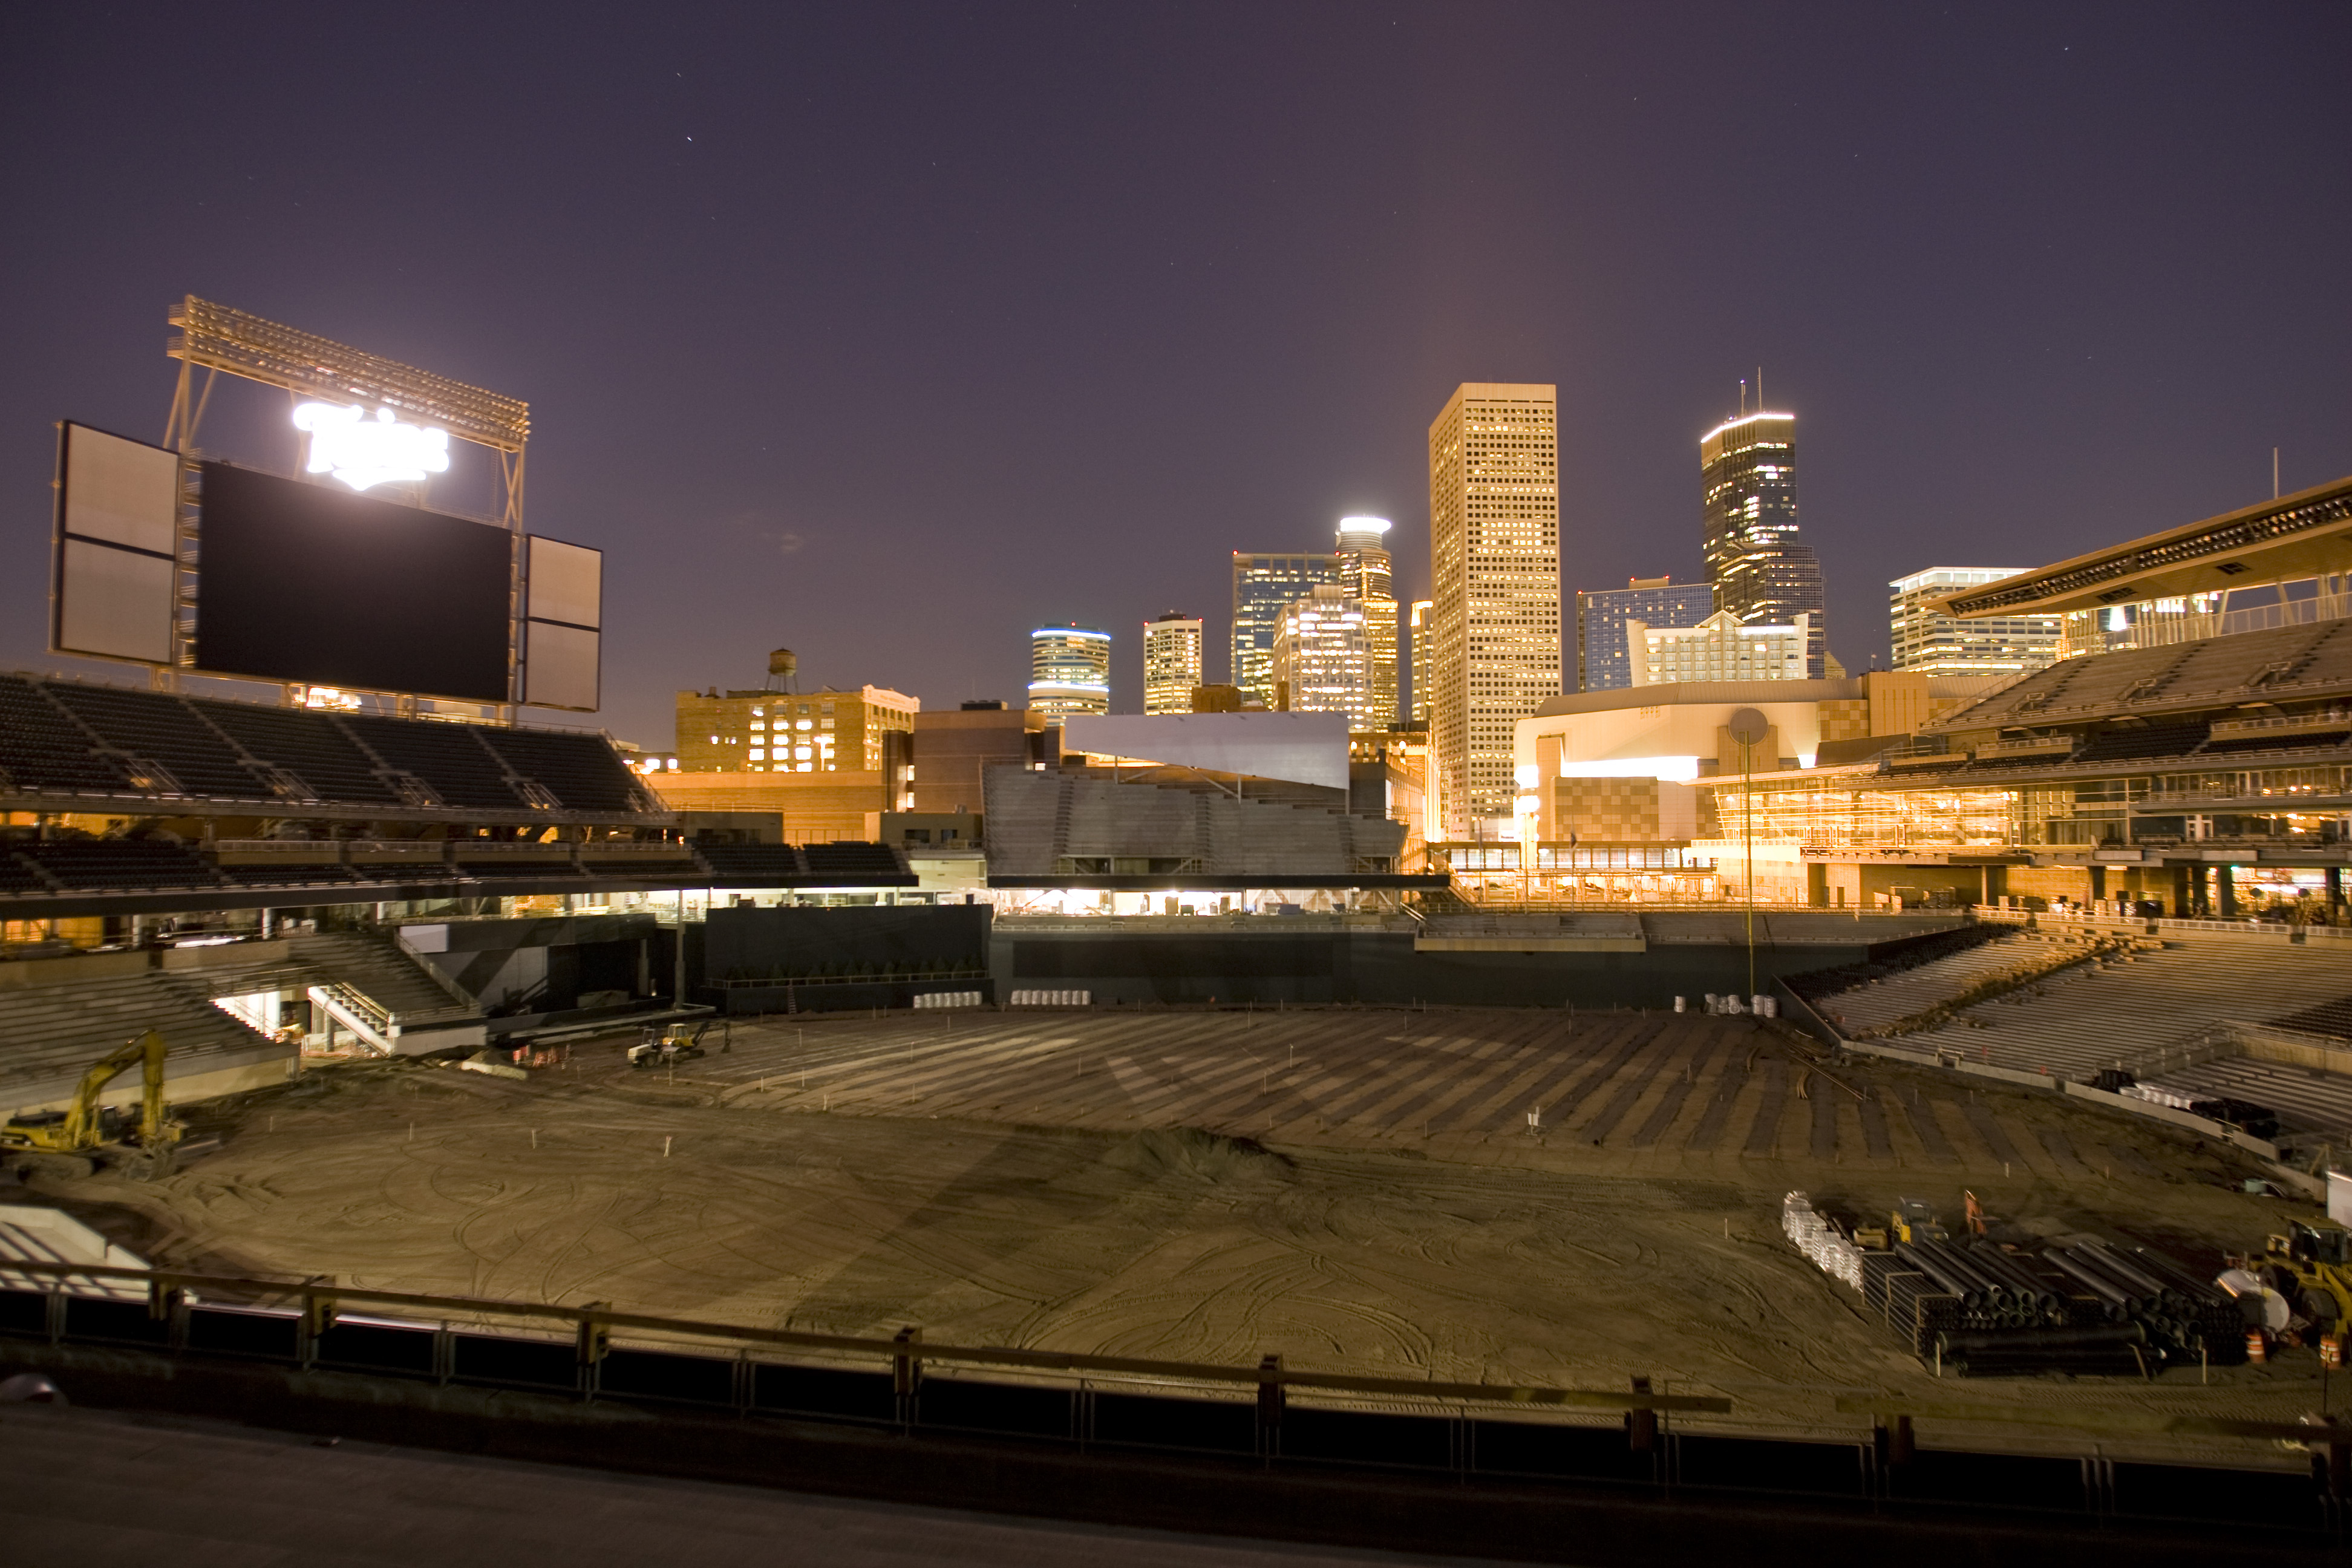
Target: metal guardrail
(2153,927)
(317,1305)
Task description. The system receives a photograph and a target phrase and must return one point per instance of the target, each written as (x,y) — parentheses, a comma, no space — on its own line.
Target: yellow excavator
(72,1141)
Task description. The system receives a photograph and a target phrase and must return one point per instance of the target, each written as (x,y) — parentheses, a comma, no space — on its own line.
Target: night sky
(885,332)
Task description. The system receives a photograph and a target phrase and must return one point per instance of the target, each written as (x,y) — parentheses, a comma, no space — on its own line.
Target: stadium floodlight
(221,339)
(362,453)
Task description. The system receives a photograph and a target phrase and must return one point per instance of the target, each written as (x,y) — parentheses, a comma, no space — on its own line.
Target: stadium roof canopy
(2307,534)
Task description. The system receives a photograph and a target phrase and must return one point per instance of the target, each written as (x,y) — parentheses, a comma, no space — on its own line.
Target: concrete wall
(1324,961)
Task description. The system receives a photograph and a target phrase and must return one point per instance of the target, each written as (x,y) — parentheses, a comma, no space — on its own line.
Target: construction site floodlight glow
(363,453)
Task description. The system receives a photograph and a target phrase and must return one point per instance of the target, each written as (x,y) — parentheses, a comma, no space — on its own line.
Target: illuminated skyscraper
(1936,644)
(1171,663)
(1364,571)
(1264,586)
(1069,671)
(1493,550)
(1420,628)
(1323,658)
(1762,576)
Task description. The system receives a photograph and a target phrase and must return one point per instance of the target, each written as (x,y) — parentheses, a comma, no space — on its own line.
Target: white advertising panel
(563,608)
(560,666)
(118,506)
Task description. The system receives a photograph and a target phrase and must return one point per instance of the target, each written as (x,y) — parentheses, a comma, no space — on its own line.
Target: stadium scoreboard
(339,576)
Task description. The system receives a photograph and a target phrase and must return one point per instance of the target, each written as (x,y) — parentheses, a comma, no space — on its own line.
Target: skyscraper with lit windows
(1069,671)
(1264,586)
(1494,628)
(1323,658)
(1366,573)
(1171,663)
(1763,574)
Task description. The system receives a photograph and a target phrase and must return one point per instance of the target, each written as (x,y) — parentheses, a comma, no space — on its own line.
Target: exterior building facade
(1069,671)
(1324,658)
(1761,574)
(784,732)
(1602,662)
(1365,572)
(1494,526)
(1419,708)
(1171,663)
(1933,643)
(954,747)
(1264,586)
(1717,648)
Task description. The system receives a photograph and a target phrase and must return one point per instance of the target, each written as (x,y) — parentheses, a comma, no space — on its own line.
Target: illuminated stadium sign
(364,452)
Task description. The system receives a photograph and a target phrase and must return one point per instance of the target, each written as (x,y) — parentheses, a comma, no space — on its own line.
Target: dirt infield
(1354,1189)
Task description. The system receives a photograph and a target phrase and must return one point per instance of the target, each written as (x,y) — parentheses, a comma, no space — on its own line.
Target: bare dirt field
(1354,1189)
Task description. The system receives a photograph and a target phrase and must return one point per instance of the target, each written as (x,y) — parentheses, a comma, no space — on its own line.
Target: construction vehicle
(675,1044)
(2311,1266)
(73,1142)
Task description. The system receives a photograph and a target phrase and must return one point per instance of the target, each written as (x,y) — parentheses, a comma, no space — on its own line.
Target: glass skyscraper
(1366,573)
(1762,574)
(1602,660)
(1263,587)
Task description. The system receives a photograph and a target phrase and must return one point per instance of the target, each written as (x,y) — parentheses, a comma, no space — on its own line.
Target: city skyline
(1289,266)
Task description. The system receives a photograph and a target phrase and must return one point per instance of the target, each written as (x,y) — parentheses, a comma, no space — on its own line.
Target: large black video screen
(302,582)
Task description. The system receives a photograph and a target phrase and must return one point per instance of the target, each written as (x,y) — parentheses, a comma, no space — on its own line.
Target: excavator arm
(82,1124)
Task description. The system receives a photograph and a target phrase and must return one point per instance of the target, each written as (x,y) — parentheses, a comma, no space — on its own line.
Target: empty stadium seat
(583,771)
(42,749)
(164,730)
(2150,740)
(119,863)
(749,862)
(308,745)
(451,759)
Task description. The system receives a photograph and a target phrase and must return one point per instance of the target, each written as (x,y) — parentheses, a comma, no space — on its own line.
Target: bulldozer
(2311,1266)
(677,1043)
(75,1141)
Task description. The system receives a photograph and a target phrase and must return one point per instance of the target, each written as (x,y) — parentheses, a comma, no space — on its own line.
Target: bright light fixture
(361,452)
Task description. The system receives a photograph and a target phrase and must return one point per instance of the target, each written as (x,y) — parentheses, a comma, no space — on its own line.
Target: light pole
(1747,728)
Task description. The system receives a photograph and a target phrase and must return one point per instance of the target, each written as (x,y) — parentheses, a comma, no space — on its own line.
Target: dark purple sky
(886,332)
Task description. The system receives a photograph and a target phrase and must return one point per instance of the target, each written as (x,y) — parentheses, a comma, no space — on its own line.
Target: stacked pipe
(1812,1234)
(2180,1314)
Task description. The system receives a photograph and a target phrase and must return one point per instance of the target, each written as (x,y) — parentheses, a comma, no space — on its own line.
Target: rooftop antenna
(2273,473)
(1759,389)
(1743,398)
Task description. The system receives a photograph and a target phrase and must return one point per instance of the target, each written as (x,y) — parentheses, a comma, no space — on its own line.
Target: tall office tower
(1494,553)
(1936,644)
(1264,586)
(1747,472)
(1323,658)
(1602,661)
(1364,571)
(1069,671)
(1419,708)
(1171,663)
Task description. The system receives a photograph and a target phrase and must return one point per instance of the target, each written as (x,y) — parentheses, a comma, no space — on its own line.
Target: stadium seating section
(60,737)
